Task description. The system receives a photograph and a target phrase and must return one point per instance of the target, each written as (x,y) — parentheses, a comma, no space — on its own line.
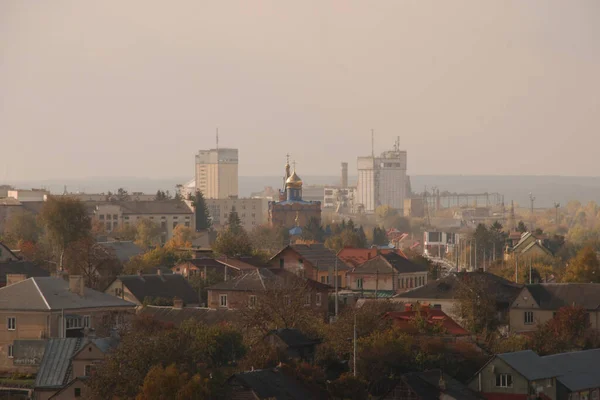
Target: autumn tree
(22,226)
(521,227)
(66,221)
(475,305)
(91,260)
(147,233)
(203,220)
(566,331)
(348,387)
(584,268)
(233,241)
(171,383)
(182,237)
(269,239)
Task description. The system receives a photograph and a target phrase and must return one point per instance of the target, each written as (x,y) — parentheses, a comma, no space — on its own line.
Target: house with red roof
(354,256)
(434,317)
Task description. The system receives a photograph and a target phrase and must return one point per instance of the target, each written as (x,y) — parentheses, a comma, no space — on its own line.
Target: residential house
(433,317)
(525,375)
(537,304)
(246,290)
(389,272)
(294,344)
(160,288)
(355,256)
(430,385)
(67,365)
(49,307)
(312,261)
(222,266)
(443,292)
(12,271)
(122,250)
(269,384)
(528,248)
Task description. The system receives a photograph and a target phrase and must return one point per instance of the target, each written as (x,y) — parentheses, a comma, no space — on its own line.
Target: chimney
(76,284)
(177,303)
(158,272)
(425,307)
(344,175)
(14,278)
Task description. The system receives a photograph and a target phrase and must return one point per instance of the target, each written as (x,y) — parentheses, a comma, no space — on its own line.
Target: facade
(537,304)
(437,244)
(217,173)
(252,212)
(528,248)
(28,195)
(291,210)
(387,273)
(48,307)
(167,214)
(143,289)
(525,375)
(414,207)
(382,180)
(340,199)
(312,261)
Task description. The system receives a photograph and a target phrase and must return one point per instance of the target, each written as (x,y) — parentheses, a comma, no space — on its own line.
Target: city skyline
(457,82)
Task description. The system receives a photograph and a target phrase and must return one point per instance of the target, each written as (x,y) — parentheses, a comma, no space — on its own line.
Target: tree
(566,331)
(232,244)
(313,231)
(66,221)
(234,224)
(269,239)
(122,194)
(22,226)
(148,233)
(348,387)
(203,219)
(521,227)
(161,195)
(171,383)
(182,238)
(97,266)
(584,268)
(475,305)
(379,236)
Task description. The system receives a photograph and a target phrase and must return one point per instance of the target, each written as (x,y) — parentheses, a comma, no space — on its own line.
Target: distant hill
(546,189)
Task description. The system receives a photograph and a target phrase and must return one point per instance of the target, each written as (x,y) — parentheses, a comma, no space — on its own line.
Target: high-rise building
(217,173)
(382,180)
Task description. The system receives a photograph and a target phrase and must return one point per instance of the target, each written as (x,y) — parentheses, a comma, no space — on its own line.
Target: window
(77,392)
(87,321)
(223,300)
(115,216)
(252,301)
(11,323)
(504,380)
(318,299)
(174,224)
(90,370)
(163,224)
(101,217)
(410,282)
(10,351)
(175,217)
(108,216)
(118,292)
(322,278)
(549,382)
(187,218)
(359,283)
(163,217)
(528,316)
(108,226)
(126,218)
(187,224)
(307,300)
(402,283)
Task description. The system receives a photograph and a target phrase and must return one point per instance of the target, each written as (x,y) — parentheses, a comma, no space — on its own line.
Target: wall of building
(119,290)
(386,281)
(217,173)
(28,195)
(252,212)
(285,214)
(291,263)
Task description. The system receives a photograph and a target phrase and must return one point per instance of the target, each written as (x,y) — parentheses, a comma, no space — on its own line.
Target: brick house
(312,261)
(387,272)
(204,266)
(247,289)
(48,307)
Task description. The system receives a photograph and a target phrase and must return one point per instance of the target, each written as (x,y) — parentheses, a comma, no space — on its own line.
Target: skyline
(471,88)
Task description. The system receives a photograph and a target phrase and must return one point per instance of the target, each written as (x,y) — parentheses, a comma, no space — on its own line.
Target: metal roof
(54,369)
(553,296)
(164,286)
(528,364)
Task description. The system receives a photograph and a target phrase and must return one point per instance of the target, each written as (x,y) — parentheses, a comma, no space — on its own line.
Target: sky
(136,87)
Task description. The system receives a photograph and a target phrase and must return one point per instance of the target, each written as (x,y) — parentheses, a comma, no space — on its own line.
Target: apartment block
(217,173)
(252,212)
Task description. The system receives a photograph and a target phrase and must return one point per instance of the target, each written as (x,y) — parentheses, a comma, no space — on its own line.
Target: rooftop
(552,296)
(272,384)
(167,286)
(389,263)
(404,319)
(356,256)
(293,337)
(154,207)
(122,250)
(318,255)
(27,268)
(56,363)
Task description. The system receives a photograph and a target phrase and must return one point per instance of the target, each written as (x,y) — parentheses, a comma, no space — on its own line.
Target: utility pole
(556,207)
(516,268)
(354,355)
(476,263)
(336,286)
(531,200)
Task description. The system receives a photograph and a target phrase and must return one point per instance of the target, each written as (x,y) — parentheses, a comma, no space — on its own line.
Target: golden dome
(293,181)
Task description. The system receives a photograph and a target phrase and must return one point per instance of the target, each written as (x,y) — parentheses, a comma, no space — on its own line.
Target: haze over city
(135,88)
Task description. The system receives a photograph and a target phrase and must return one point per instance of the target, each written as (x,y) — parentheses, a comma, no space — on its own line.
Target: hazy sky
(135,88)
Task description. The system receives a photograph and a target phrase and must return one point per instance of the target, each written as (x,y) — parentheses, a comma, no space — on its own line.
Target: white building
(28,195)
(339,197)
(382,180)
(217,173)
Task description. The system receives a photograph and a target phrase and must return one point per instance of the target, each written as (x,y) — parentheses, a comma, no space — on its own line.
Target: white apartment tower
(382,180)
(217,173)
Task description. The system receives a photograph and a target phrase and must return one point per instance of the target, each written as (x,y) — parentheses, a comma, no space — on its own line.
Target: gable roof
(432,316)
(318,255)
(293,337)
(390,263)
(239,263)
(552,296)
(27,268)
(49,293)
(426,385)
(105,344)
(446,288)
(167,286)
(356,256)
(154,207)
(122,250)
(255,280)
(536,244)
(272,384)
(55,368)
(528,364)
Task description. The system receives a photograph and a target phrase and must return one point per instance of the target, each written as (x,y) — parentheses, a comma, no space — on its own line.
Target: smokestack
(344,175)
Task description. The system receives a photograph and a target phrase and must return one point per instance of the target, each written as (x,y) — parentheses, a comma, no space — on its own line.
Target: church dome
(294,181)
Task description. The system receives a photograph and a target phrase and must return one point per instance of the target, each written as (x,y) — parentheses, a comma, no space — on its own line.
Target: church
(291,211)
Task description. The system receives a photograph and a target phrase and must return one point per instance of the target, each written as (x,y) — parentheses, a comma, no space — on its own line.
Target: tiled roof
(20,267)
(390,263)
(56,363)
(49,293)
(167,286)
(238,263)
(256,280)
(426,385)
(356,256)
(272,384)
(404,319)
(318,255)
(293,337)
(552,296)
(154,207)
(446,288)
(179,315)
